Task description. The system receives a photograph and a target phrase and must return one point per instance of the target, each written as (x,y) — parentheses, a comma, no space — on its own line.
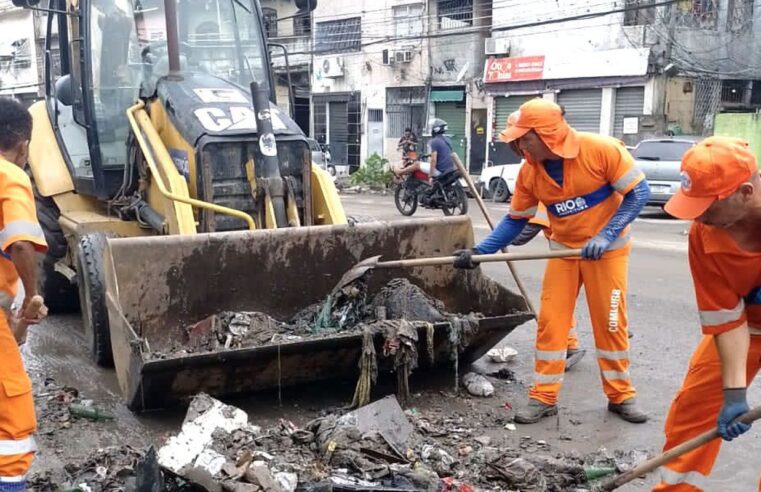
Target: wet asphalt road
(661,313)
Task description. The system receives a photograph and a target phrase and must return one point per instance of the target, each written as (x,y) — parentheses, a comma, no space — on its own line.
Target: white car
(499,180)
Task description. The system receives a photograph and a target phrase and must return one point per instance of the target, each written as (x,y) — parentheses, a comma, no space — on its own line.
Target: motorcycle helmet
(438,127)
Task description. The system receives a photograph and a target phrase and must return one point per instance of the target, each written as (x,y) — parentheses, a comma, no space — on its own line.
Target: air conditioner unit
(333,67)
(497,46)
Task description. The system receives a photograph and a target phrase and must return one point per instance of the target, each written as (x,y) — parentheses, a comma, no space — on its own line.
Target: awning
(447,96)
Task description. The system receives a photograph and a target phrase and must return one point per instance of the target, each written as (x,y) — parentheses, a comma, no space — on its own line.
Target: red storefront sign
(513,69)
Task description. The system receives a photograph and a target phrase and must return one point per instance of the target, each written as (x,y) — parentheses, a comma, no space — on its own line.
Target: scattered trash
(510,427)
(502,355)
(89,412)
(483,440)
(477,385)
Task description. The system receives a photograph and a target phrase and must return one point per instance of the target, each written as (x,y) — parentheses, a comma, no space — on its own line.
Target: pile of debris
(59,406)
(378,447)
(348,309)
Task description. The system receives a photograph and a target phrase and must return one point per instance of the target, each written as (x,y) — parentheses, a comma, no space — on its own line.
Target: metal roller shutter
(503,106)
(339,132)
(582,108)
(629,102)
(454,114)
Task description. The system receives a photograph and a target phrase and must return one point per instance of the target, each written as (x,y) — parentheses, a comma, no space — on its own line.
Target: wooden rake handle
(687,446)
(448,260)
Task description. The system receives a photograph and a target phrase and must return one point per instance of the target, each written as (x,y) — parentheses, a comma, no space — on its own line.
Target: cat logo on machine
(234,118)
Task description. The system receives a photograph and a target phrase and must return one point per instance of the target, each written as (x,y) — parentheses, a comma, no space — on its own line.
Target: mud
(351,308)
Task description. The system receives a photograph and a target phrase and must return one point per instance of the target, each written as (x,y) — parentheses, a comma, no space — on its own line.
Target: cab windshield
(217,37)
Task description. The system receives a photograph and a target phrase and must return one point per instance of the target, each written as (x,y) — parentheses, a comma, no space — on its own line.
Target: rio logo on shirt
(570,207)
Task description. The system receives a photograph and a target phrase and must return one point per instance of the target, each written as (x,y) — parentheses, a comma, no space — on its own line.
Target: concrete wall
(735,54)
(741,125)
(680,104)
(600,33)
(18,52)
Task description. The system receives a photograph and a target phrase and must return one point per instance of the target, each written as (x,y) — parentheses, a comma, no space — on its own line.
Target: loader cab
(114,52)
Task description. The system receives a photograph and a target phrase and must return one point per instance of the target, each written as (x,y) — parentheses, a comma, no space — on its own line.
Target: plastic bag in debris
(477,385)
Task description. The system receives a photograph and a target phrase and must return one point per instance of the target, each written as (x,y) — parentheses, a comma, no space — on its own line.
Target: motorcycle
(445,194)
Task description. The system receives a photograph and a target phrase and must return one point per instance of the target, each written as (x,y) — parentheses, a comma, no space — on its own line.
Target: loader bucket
(157,286)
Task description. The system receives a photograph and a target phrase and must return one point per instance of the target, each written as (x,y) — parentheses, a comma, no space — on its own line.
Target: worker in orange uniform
(20,239)
(721,190)
(593,192)
(541,222)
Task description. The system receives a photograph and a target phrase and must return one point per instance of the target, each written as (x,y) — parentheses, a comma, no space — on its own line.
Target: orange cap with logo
(712,170)
(546,119)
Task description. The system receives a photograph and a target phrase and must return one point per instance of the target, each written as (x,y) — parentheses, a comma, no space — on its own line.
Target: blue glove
(735,404)
(596,247)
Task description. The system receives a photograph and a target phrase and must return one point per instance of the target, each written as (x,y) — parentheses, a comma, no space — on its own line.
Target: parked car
(660,160)
(499,180)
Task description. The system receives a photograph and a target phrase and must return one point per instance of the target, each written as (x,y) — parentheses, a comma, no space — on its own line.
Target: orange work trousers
(17,419)
(695,410)
(605,283)
(573,336)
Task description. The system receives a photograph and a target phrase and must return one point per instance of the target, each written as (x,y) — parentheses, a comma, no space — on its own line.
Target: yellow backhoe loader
(157,139)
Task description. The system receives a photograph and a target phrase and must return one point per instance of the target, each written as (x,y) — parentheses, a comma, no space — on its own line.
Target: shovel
(673,453)
(364,266)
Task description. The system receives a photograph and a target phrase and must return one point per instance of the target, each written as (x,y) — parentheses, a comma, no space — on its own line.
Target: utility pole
(668,67)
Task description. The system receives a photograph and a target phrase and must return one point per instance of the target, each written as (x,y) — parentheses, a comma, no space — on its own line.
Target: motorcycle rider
(442,154)
(408,145)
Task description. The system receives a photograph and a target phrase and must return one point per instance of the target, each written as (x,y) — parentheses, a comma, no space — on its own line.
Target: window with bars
(638,13)
(739,15)
(408,20)
(700,14)
(269,17)
(455,13)
(405,108)
(340,36)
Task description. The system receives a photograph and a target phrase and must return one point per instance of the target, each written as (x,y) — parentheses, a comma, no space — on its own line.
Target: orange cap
(546,119)
(712,170)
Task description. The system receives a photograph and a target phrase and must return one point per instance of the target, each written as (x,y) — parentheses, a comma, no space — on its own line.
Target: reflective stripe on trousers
(605,282)
(19,446)
(674,480)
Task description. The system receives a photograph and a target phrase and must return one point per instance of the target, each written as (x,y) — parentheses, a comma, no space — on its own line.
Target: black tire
(406,203)
(60,294)
(92,297)
(498,190)
(460,198)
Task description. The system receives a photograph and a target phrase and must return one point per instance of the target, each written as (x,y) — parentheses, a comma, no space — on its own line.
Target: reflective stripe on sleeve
(627,179)
(21,228)
(527,214)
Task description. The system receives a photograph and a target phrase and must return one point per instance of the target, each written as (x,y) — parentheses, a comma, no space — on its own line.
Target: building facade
(628,69)
(19,68)
(383,66)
